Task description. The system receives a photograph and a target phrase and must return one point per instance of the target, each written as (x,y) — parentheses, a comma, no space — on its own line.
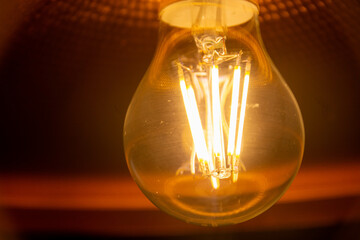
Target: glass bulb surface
(213,134)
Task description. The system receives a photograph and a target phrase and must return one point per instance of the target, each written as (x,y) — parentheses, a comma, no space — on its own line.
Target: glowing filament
(234,108)
(193,115)
(242,110)
(194,121)
(215,165)
(216,111)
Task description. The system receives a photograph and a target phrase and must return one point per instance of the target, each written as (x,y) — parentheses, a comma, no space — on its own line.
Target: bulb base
(207,14)
(165,3)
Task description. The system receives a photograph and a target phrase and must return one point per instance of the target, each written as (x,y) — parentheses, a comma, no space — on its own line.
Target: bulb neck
(212,32)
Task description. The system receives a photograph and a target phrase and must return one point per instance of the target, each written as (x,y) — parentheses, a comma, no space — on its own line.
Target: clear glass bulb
(213,134)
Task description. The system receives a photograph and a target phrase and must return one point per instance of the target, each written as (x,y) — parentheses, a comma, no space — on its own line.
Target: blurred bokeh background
(68,70)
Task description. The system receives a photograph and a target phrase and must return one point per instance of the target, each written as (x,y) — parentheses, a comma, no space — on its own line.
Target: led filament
(211,157)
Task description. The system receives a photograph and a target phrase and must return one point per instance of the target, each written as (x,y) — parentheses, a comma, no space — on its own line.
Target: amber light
(213,135)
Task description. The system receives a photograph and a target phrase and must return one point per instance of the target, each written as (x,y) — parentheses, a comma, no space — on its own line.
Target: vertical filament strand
(233,113)
(194,121)
(217,138)
(243,108)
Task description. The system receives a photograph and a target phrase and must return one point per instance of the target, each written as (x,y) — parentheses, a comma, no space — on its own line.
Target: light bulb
(213,134)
